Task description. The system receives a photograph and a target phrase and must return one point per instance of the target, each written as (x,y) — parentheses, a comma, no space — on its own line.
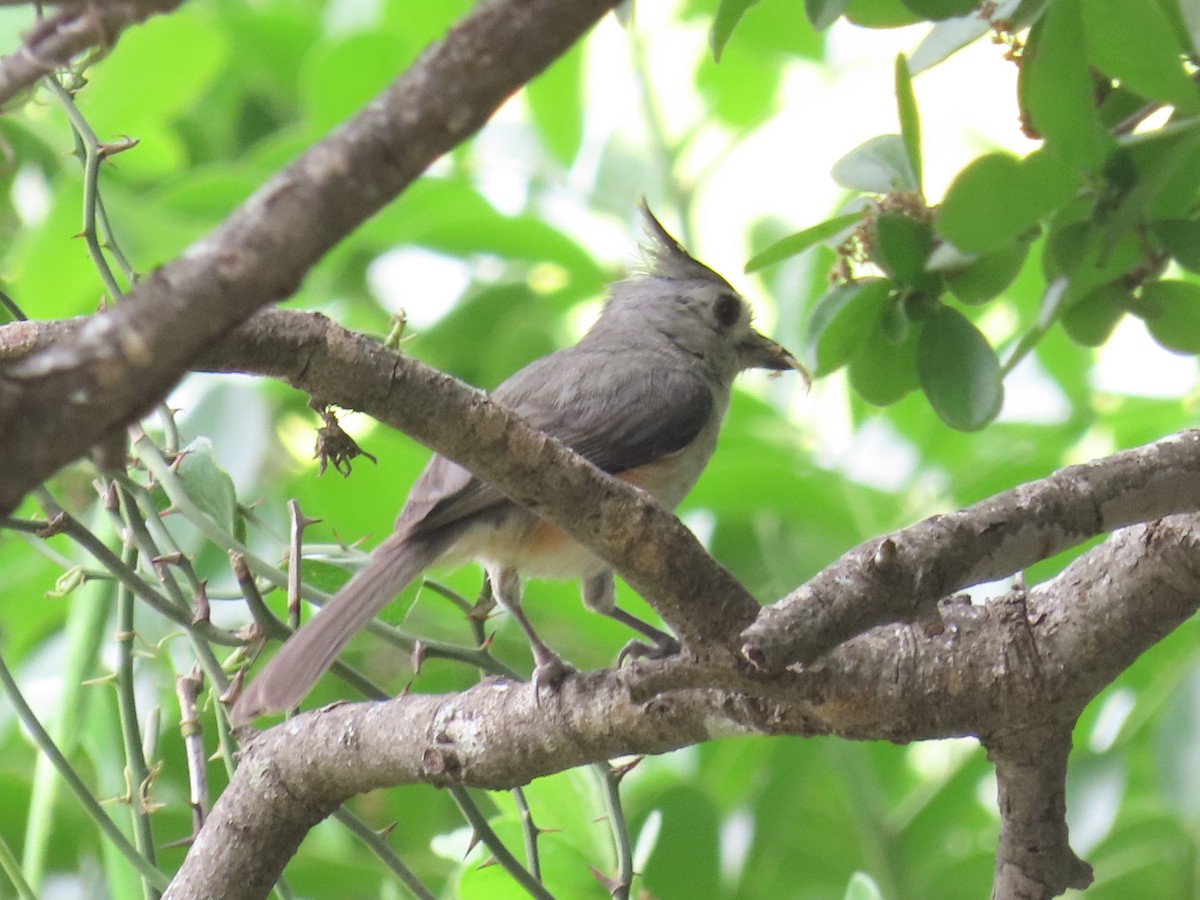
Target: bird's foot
(549,673)
(660,649)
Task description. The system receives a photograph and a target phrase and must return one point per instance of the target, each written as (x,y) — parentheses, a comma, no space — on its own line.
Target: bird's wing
(616,413)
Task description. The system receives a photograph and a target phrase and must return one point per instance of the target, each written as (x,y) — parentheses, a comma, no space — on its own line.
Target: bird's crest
(665,258)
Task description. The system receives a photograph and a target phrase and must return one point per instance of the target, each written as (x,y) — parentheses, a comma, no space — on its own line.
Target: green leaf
(344,75)
(322,574)
(940,9)
(1080,251)
(1159,174)
(880,13)
(862,887)
(885,369)
(740,91)
(800,241)
(1177,750)
(1171,310)
(910,119)
(556,105)
(1181,239)
(878,166)
(1190,13)
(894,324)
(1134,42)
(958,371)
(1091,321)
(998,197)
(207,484)
(1056,90)
(901,248)
(729,13)
(823,13)
(988,276)
(945,39)
(172,60)
(841,322)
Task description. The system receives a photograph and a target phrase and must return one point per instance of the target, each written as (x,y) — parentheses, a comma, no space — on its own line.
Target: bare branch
(58,402)
(77,27)
(895,578)
(1034,860)
(1005,671)
(652,550)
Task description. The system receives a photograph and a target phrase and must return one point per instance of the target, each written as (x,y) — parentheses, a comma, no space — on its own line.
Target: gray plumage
(642,395)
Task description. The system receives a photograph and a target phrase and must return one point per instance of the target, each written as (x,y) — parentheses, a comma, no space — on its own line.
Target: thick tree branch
(1033,859)
(1011,672)
(58,402)
(1015,672)
(895,578)
(58,39)
(653,551)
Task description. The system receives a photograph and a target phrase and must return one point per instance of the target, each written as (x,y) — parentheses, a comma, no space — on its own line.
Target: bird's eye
(728,310)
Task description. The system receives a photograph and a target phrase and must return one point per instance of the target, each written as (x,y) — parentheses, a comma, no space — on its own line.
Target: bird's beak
(758,351)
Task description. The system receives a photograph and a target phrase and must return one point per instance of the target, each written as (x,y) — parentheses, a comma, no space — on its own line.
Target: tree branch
(659,557)
(897,577)
(54,41)
(1016,672)
(58,402)
(1011,672)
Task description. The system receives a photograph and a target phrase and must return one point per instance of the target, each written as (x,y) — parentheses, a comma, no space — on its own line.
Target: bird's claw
(549,673)
(668,646)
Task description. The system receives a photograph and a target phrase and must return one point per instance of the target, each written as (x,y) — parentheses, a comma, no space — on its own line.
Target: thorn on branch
(619,772)
(56,525)
(203,609)
(614,886)
(106,149)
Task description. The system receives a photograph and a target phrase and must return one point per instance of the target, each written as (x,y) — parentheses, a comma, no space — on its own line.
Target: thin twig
(491,840)
(137,773)
(89,803)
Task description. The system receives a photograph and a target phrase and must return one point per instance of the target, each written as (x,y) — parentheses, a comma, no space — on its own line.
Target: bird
(641,396)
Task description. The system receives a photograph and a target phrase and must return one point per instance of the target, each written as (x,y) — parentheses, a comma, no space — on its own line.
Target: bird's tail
(306,655)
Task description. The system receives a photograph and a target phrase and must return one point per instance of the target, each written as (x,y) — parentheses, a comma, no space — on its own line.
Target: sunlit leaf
(998,197)
(862,887)
(880,13)
(878,166)
(1056,88)
(940,9)
(207,484)
(823,13)
(556,105)
(801,241)
(729,13)
(944,39)
(1133,41)
(910,119)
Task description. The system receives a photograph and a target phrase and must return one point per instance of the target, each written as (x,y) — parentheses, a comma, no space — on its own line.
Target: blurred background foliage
(1064,276)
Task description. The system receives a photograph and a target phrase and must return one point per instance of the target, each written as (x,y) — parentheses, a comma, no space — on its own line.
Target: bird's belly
(534,548)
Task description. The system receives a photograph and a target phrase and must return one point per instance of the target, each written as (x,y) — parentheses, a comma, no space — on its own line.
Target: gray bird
(641,396)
